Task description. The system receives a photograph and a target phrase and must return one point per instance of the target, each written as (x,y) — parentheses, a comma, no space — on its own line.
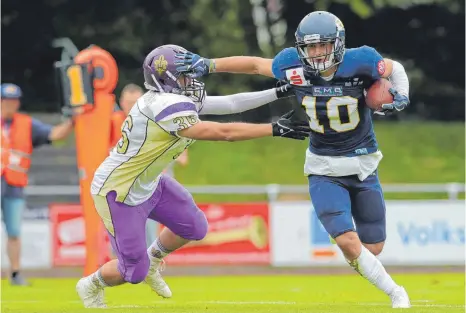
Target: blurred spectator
(20,135)
(129,95)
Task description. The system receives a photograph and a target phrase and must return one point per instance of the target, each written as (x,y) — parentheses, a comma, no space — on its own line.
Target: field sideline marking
(325,303)
(374,304)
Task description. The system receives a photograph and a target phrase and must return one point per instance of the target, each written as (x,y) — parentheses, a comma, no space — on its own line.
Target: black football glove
(287,128)
(284,90)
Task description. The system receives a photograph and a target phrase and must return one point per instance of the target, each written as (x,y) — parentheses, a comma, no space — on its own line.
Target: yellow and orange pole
(92,131)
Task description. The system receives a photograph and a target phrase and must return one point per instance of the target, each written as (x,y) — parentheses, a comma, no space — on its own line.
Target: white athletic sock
(96,280)
(369,267)
(157,250)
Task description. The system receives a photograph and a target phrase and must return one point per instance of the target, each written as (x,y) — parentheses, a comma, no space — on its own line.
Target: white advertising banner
(418,233)
(298,238)
(36,245)
(425,233)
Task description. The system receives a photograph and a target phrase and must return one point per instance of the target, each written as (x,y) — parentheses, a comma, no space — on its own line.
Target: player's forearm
(244,131)
(244,65)
(237,103)
(226,131)
(61,131)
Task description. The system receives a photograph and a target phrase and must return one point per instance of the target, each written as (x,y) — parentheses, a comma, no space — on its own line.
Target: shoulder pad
(364,61)
(168,106)
(285,59)
(288,67)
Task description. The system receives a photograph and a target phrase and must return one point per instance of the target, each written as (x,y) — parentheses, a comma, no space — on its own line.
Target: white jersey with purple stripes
(149,144)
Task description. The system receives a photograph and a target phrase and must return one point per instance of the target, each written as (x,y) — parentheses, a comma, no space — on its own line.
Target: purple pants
(171,205)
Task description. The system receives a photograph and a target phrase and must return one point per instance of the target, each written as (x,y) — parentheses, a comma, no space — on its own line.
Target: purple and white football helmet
(160,74)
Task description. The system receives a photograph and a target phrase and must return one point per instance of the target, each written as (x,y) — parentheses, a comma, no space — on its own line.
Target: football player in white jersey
(128,187)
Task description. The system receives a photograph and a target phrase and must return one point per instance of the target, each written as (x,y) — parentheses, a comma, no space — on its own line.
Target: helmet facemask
(332,56)
(191,88)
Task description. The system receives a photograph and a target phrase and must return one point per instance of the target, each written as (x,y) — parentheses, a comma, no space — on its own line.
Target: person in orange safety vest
(19,136)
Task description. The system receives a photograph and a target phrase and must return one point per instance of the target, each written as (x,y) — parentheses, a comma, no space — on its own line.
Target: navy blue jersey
(340,120)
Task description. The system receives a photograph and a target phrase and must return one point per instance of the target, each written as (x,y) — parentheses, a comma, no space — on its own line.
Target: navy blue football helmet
(317,28)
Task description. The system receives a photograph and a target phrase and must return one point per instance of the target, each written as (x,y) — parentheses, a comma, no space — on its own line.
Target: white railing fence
(272,190)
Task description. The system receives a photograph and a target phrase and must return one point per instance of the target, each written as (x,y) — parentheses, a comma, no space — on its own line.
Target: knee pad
(201,226)
(336,223)
(372,233)
(197,227)
(134,271)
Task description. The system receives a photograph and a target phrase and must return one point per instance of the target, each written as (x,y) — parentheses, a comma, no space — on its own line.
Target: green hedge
(414,152)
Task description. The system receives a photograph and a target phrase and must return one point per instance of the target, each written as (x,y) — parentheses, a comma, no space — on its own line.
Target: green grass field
(245,294)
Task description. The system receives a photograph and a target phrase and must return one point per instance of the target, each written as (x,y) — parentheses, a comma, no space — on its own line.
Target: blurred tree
(367,8)
(219,33)
(427,39)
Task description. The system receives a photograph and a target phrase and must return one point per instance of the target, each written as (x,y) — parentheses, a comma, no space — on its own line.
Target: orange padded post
(92,144)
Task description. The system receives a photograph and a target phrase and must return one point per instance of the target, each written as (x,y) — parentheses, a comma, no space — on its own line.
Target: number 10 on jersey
(332,110)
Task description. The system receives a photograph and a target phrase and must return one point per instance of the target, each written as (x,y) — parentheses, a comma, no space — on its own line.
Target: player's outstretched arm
(226,132)
(213,131)
(240,102)
(244,65)
(194,65)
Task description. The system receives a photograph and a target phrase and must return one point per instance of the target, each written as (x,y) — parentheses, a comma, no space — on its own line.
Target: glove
(400,102)
(193,65)
(284,90)
(287,128)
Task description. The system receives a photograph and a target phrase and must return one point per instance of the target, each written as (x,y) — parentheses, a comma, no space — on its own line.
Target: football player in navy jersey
(342,159)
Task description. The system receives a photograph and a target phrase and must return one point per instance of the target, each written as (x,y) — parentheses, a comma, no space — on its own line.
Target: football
(378,94)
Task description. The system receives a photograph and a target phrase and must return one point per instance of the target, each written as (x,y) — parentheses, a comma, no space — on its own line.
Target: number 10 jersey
(342,140)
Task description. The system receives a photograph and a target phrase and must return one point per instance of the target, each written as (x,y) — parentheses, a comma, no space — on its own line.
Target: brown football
(378,94)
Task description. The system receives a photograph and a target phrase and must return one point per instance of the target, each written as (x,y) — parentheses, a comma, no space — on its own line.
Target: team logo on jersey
(361,151)
(160,65)
(327,91)
(381,67)
(296,76)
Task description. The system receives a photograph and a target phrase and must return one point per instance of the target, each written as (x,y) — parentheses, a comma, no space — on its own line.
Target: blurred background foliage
(427,36)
